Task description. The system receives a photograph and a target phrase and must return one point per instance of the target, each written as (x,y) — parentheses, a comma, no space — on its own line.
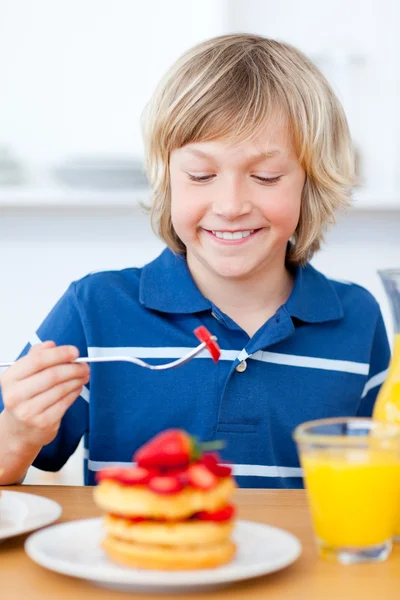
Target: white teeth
(236,235)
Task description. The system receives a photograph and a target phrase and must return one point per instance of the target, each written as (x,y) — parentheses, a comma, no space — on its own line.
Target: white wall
(44,250)
(75,74)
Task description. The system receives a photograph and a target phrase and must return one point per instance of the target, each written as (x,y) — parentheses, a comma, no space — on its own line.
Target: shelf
(58,196)
(375,202)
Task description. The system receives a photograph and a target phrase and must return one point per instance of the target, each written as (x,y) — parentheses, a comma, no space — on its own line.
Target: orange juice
(387,405)
(347,489)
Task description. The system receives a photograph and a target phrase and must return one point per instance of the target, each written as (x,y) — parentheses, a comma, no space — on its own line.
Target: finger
(50,378)
(39,358)
(53,415)
(45,344)
(28,411)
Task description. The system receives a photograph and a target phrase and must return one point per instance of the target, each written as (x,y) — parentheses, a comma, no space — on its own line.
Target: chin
(232,269)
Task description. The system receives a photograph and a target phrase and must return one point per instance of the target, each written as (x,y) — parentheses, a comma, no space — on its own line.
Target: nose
(231,201)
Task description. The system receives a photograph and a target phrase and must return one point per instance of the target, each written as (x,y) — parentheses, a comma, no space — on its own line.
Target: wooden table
(310,578)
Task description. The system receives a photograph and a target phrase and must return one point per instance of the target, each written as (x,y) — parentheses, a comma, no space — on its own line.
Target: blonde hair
(227,88)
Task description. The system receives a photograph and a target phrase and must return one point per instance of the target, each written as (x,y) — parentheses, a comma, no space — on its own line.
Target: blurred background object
(11,170)
(75,76)
(101,173)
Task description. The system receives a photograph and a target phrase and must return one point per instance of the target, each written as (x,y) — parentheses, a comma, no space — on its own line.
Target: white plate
(20,512)
(74,549)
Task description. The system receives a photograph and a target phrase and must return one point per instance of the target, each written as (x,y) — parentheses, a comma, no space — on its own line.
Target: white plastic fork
(137,361)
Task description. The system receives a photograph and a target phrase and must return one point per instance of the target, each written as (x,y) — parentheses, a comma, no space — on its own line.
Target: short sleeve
(378,370)
(63,325)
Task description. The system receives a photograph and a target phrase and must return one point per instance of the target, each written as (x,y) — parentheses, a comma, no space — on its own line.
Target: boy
(248,156)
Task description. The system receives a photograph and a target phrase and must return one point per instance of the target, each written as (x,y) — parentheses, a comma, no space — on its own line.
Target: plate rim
(43,522)
(184,578)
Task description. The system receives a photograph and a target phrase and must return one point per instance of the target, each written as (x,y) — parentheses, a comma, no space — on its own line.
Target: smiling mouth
(233,236)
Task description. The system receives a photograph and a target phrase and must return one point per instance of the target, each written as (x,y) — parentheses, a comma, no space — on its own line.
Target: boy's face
(232,222)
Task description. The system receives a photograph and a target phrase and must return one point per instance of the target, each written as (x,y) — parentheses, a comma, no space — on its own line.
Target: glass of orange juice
(352,475)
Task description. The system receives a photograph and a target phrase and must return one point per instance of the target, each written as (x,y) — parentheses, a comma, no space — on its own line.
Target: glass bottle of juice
(387,405)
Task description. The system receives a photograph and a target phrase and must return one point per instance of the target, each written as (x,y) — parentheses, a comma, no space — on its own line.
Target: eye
(202,178)
(269,180)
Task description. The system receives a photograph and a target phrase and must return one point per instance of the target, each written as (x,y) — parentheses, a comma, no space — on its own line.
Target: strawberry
(126,475)
(165,484)
(179,472)
(211,461)
(201,478)
(136,476)
(205,336)
(136,519)
(223,514)
(170,449)
(112,473)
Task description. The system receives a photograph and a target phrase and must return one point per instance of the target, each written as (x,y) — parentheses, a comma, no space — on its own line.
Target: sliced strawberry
(126,475)
(211,461)
(136,476)
(222,471)
(137,519)
(165,484)
(132,519)
(113,473)
(184,477)
(201,477)
(204,335)
(223,514)
(179,472)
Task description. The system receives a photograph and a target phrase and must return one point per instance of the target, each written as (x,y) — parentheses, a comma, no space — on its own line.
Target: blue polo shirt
(324,353)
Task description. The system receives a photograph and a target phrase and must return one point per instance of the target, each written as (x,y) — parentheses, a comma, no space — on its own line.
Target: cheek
(283,208)
(185,211)
(284,213)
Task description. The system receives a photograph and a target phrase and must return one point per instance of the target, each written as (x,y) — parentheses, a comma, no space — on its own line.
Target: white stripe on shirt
(239,470)
(264,471)
(311,362)
(292,360)
(157,352)
(375,381)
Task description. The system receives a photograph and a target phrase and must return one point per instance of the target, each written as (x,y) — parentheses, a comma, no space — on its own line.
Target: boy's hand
(39,388)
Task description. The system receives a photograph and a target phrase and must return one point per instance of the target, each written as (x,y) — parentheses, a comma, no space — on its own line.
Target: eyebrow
(254,158)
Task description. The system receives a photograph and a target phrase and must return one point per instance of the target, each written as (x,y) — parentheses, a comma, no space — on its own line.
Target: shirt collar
(167,285)
(313,298)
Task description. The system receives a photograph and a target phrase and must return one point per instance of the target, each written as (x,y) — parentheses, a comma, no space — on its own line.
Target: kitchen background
(74,78)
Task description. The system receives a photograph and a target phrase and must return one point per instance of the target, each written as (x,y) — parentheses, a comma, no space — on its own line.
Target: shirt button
(241,366)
